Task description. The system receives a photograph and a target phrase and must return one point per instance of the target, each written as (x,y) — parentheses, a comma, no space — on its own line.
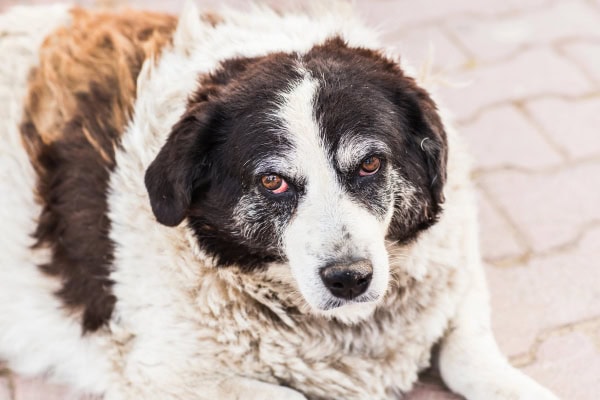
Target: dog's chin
(349,313)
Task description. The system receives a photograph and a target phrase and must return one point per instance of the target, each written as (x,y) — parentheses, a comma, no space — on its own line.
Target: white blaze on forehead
(298,115)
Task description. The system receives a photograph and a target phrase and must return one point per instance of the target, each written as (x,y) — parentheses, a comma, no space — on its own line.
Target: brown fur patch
(79,101)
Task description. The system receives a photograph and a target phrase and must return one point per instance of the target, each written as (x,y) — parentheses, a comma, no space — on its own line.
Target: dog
(241,205)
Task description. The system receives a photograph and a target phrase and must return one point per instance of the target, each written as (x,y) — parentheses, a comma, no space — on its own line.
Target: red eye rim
(370,166)
(274,183)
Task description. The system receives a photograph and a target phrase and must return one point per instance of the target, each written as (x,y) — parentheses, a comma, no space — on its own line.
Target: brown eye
(369,166)
(274,183)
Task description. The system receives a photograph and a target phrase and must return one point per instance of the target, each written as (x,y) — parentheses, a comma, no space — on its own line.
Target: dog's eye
(274,183)
(369,166)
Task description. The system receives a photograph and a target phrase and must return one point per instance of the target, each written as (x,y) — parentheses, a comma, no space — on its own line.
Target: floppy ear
(181,167)
(426,155)
(429,132)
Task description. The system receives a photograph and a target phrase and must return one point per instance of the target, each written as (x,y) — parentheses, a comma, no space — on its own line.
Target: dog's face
(313,160)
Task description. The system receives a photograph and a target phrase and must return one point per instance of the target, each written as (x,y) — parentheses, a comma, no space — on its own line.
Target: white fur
(185,330)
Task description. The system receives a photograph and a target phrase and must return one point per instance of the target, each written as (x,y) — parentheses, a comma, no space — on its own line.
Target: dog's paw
(522,387)
(533,391)
(519,389)
(505,386)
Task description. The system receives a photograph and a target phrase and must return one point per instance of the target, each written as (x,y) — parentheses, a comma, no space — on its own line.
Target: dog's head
(313,160)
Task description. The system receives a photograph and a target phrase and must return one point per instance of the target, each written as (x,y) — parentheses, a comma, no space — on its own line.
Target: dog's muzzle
(347,280)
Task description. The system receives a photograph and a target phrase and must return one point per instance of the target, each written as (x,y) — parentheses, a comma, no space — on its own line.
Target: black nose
(347,280)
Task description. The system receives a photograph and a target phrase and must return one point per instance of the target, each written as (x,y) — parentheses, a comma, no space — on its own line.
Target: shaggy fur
(142,259)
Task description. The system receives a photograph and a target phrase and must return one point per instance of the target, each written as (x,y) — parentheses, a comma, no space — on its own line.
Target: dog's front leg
(240,388)
(471,363)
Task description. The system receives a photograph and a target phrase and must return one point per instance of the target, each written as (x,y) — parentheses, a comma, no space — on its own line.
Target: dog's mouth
(350,311)
(333,303)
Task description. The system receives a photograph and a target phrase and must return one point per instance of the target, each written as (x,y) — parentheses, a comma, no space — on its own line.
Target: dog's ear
(181,168)
(429,136)
(425,158)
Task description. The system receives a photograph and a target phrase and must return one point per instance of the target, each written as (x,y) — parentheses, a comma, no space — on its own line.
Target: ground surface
(531,112)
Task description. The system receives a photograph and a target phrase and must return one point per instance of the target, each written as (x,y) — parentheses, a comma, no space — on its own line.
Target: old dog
(241,205)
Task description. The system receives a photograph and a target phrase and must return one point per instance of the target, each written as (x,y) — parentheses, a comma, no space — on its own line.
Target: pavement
(522,78)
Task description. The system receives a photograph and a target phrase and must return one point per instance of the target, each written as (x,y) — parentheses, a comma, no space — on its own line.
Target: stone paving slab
(498,239)
(492,142)
(552,207)
(533,297)
(411,13)
(574,126)
(531,115)
(494,39)
(529,74)
(586,53)
(424,43)
(576,349)
(5,390)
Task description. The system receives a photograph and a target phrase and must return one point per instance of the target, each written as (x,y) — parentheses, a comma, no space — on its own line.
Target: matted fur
(180,325)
